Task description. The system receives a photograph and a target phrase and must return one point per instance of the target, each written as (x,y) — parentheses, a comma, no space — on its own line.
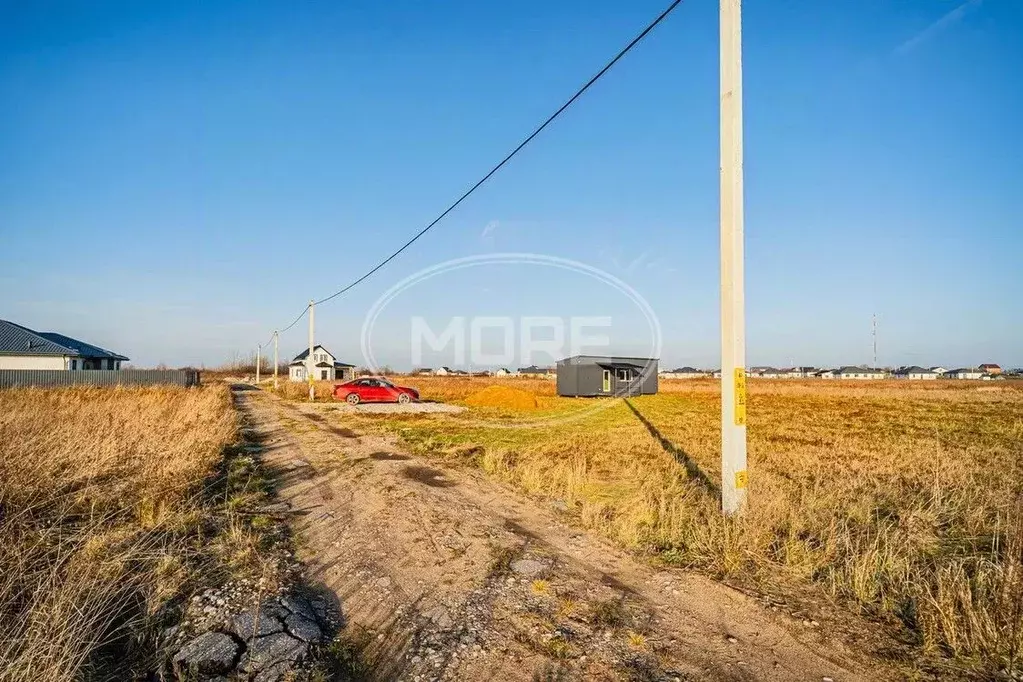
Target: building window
(624,375)
(74,364)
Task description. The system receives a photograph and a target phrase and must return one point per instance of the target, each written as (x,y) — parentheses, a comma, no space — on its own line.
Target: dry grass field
(102,520)
(904,501)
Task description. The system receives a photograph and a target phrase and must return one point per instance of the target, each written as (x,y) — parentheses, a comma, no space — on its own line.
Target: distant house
(422,371)
(22,348)
(938,370)
(324,367)
(534,371)
(964,373)
(915,373)
(449,372)
(826,374)
(991,368)
(764,372)
(592,375)
(503,372)
(850,372)
(795,372)
(683,373)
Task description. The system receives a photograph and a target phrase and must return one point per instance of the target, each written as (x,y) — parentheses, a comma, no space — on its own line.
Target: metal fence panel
(46,378)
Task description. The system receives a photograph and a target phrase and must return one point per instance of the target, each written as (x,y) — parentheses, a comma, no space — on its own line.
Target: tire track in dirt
(442,574)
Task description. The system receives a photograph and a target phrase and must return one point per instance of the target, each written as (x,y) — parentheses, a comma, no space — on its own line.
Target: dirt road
(443,575)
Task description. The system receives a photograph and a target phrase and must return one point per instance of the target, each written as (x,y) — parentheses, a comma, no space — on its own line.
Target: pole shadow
(692,468)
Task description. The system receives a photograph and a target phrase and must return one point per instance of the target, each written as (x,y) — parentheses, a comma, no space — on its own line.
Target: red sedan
(374,390)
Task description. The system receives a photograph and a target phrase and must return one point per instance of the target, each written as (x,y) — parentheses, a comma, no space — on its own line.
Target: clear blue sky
(164,165)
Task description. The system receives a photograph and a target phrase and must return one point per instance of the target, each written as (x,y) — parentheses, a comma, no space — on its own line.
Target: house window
(74,364)
(624,375)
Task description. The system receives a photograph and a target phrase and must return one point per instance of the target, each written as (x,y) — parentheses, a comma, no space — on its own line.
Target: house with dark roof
(23,348)
(322,366)
(964,373)
(850,372)
(914,373)
(534,371)
(991,368)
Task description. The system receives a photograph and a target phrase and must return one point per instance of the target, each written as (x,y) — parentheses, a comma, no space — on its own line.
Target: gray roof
(915,369)
(686,370)
(85,349)
(18,340)
(849,369)
(304,354)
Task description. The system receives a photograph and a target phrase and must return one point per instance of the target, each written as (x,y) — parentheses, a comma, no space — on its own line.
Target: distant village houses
(534,371)
(684,373)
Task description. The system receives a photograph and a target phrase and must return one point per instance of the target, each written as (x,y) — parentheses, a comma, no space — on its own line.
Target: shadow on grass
(680,455)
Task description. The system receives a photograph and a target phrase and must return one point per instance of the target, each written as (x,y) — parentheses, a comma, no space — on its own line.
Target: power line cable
(550,119)
(295,321)
(479,183)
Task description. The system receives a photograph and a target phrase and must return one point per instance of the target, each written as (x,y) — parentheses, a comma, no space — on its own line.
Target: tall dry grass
(100,506)
(903,500)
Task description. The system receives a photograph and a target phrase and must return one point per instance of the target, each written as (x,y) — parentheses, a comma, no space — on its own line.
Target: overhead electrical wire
(550,119)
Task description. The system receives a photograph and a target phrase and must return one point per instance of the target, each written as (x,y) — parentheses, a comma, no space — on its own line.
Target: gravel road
(442,574)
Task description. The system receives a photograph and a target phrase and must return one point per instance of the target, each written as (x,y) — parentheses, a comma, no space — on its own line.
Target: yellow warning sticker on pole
(740,396)
(741,479)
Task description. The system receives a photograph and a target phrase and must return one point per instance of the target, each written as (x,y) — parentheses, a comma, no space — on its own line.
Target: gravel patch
(398,408)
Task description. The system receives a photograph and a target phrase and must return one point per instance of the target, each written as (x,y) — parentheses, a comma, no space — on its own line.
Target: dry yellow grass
(99,513)
(505,397)
(902,500)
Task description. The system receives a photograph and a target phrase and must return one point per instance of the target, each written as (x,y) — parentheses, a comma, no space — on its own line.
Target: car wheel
(404,398)
(353,399)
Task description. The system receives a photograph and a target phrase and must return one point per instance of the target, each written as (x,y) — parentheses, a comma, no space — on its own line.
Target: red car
(374,390)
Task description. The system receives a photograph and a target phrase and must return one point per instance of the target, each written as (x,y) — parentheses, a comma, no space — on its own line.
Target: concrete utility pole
(309,362)
(276,363)
(734,478)
(259,350)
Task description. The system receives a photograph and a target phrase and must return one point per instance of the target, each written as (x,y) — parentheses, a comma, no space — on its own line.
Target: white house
(22,348)
(826,374)
(683,373)
(502,372)
(963,373)
(849,372)
(915,373)
(323,365)
(938,370)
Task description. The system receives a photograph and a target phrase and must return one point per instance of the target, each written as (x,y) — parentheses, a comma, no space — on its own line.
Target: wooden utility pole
(310,363)
(276,363)
(734,478)
(259,360)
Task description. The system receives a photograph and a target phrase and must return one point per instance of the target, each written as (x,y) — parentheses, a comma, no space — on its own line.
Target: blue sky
(177,179)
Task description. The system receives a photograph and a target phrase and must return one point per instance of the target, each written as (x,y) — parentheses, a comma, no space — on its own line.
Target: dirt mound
(503,396)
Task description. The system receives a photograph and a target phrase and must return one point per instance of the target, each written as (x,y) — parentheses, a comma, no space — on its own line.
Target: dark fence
(47,378)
